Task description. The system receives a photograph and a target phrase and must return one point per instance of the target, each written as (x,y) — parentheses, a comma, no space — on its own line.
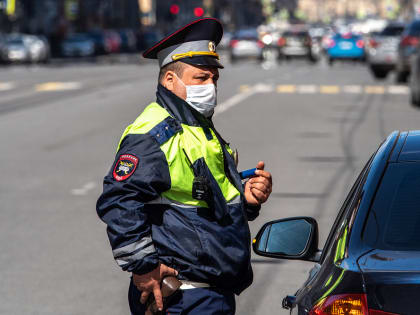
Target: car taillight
(331,43)
(308,41)
(234,42)
(260,44)
(281,41)
(360,43)
(373,43)
(409,41)
(349,304)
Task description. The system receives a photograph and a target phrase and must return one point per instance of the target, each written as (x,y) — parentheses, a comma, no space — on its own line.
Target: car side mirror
(291,238)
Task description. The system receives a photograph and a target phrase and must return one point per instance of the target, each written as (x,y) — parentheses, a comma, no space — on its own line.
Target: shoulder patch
(125,167)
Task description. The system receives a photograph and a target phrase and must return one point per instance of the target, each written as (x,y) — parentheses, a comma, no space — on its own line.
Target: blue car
(346,46)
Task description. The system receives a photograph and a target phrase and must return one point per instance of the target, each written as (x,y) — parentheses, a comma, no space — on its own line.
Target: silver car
(15,50)
(38,47)
(246,44)
(382,50)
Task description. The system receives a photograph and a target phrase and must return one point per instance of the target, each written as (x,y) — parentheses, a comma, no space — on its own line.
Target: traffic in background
(311,99)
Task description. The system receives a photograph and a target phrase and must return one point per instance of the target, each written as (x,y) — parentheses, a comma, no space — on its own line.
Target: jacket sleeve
(252,212)
(138,175)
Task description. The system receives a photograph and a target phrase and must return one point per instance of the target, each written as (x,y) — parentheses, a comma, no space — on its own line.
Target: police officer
(173,201)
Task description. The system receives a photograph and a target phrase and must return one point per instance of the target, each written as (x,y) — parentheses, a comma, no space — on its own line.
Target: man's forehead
(201,69)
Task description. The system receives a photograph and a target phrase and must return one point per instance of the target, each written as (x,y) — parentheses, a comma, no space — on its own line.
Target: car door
(311,290)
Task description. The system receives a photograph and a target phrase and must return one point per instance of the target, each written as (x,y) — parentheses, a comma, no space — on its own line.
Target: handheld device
(248,173)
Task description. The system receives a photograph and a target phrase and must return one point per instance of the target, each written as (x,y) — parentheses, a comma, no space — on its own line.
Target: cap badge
(212,46)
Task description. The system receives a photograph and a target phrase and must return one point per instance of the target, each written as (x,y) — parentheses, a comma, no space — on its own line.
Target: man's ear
(169,80)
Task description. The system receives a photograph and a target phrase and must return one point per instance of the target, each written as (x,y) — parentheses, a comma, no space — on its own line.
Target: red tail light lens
(260,44)
(349,304)
(308,41)
(345,304)
(409,41)
(360,43)
(234,42)
(281,41)
(373,43)
(331,43)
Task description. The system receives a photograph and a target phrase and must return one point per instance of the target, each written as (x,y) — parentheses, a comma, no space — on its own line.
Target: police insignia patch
(125,167)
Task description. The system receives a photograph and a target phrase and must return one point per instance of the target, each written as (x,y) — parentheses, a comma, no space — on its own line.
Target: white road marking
(307,89)
(352,89)
(58,86)
(83,191)
(241,96)
(399,89)
(6,86)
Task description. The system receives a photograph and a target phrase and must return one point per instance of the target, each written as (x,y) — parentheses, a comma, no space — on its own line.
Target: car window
(392,31)
(347,212)
(414,29)
(394,219)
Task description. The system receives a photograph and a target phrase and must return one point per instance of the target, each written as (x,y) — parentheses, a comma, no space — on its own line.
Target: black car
(370,263)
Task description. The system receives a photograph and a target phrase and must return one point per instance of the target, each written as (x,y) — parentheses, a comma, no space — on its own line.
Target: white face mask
(203,98)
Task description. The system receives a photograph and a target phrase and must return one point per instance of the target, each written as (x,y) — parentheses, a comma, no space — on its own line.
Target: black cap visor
(205,61)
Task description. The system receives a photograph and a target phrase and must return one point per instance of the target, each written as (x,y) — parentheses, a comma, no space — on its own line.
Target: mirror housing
(290,238)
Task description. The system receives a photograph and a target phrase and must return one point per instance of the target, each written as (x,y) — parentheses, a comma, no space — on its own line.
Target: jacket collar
(180,109)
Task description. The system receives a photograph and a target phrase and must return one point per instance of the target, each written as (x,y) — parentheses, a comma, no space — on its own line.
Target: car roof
(410,151)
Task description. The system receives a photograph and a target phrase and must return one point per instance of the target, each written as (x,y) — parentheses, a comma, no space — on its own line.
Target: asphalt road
(314,126)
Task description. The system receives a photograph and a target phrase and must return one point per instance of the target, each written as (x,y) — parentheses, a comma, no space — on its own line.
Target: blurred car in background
(148,38)
(15,50)
(39,49)
(78,45)
(345,46)
(128,40)
(382,50)
(225,41)
(407,48)
(101,42)
(296,43)
(415,79)
(245,43)
(114,41)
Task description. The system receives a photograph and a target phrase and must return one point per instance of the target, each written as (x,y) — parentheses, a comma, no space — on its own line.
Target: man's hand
(258,188)
(150,282)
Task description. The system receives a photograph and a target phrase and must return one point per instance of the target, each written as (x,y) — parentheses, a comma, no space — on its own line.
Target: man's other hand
(150,283)
(258,188)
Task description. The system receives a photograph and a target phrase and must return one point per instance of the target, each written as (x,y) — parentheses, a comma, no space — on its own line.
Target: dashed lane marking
(307,89)
(352,89)
(325,89)
(244,88)
(6,86)
(376,89)
(57,86)
(398,89)
(286,88)
(329,89)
